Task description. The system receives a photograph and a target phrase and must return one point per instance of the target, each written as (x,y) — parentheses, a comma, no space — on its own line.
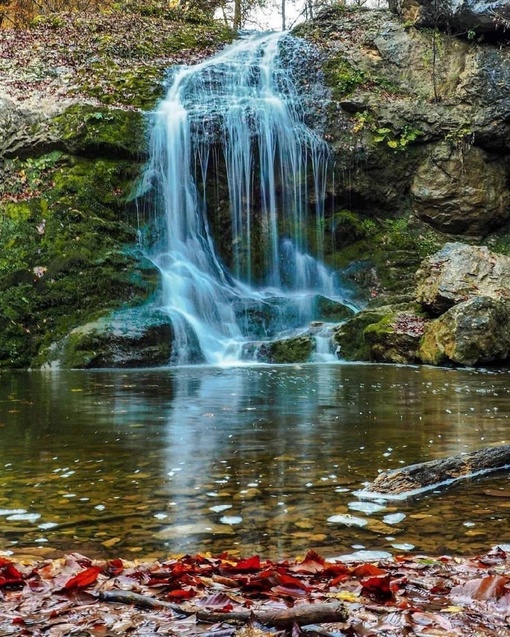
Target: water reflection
(250,459)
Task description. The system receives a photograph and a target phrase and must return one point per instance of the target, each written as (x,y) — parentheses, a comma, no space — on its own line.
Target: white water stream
(240,113)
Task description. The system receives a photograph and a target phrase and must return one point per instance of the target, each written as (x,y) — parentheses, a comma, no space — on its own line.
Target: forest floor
(113,58)
(223,596)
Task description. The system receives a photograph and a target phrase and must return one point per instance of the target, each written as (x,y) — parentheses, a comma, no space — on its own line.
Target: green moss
(351,339)
(389,252)
(342,77)
(289,350)
(91,130)
(64,260)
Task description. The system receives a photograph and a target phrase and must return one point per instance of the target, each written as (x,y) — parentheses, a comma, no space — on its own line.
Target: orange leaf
(84,578)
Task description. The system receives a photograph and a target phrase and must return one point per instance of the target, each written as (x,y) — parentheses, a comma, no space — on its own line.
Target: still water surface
(249,459)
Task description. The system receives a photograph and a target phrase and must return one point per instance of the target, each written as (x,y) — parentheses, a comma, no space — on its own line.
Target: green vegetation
(342,77)
(63,260)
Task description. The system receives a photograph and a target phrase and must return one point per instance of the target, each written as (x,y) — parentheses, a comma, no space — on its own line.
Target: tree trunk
(237,15)
(400,483)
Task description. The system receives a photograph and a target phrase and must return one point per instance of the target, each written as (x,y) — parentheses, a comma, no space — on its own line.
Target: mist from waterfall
(238,115)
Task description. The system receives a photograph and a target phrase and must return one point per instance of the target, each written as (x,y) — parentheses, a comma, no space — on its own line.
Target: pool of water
(150,463)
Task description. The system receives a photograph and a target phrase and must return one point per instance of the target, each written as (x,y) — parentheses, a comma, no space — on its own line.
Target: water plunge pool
(150,463)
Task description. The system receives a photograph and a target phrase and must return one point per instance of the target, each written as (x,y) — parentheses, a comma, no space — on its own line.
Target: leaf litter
(227,596)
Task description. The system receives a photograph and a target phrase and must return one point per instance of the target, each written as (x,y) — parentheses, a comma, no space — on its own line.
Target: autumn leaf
(84,578)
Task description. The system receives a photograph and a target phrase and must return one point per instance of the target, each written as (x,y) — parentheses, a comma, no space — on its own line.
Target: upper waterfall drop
(237,115)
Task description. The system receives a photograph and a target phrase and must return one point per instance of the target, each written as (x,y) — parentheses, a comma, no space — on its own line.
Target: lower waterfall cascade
(238,116)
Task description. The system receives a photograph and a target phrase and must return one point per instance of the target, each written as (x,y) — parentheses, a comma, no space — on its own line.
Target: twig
(302,614)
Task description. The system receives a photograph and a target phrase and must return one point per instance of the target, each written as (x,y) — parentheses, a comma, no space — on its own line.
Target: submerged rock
(459,272)
(473,332)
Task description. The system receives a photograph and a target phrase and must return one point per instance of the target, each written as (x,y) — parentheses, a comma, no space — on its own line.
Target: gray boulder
(474,332)
(459,272)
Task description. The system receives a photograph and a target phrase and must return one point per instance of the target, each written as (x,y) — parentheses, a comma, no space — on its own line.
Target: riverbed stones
(458,189)
(459,272)
(473,332)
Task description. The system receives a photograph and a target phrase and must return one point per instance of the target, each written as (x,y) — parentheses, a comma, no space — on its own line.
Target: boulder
(458,16)
(288,350)
(476,331)
(135,337)
(459,272)
(387,334)
(458,189)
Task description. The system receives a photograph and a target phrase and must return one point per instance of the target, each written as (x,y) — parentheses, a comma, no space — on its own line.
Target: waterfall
(238,115)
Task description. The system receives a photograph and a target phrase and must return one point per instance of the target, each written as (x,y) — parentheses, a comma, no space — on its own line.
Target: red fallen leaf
(288,591)
(288,581)
(225,581)
(217,601)
(334,569)
(338,580)
(179,593)
(9,575)
(367,570)
(250,564)
(313,563)
(378,588)
(114,567)
(84,578)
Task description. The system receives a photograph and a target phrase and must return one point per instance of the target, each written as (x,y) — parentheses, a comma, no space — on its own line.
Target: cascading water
(239,113)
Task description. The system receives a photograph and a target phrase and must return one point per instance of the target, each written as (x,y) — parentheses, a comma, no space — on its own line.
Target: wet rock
(459,272)
(138,337)
(473,332)
(389,334)
(332,311)
(287,350)
(460,16)
(460,190)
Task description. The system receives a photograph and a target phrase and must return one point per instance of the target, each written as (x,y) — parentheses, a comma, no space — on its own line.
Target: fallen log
(302,614)
(417,478)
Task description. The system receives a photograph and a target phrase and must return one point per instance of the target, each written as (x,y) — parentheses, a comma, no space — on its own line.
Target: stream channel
(253,459)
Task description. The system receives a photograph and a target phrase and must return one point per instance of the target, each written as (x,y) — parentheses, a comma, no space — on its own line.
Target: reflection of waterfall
(239,111)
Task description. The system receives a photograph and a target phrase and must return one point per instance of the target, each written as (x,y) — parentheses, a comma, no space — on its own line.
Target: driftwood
(302,614)
(416,478)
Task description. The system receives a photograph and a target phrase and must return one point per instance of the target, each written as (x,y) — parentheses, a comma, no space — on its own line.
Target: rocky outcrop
(460,272)
(72,147)
(459,189)
(461,315)
(464,17)
(473,332)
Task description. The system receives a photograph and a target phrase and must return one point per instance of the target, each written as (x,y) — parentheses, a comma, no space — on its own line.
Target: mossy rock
(137,337)
(65,258)
(84,129)
(288,350)
(350,336)
(389,334)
